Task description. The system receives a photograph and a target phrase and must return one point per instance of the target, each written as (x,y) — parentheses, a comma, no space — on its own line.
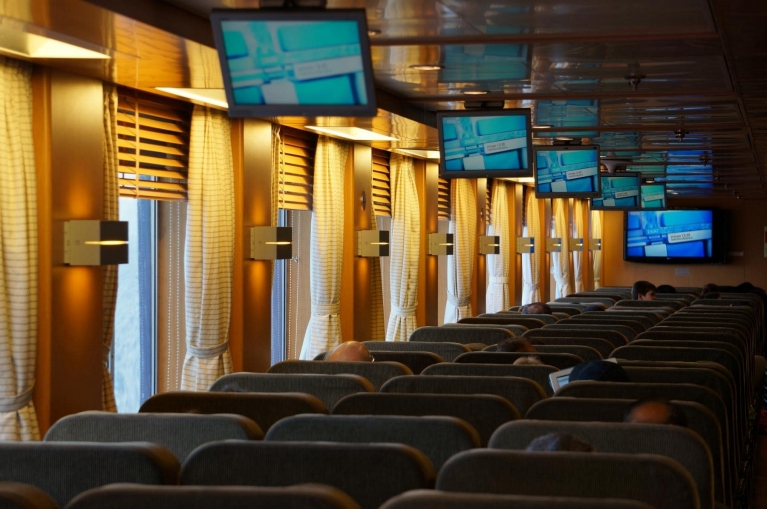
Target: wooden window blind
(381,183)
(153,144)
(296,168)
(488,203)
(443,199)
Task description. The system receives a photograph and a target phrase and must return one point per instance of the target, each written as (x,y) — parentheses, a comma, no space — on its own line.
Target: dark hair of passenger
(598,371)
(655,411)
(711,295)
(559,442)
(536,308)
(744,287)
(708,288)
(594,307)
(641,288)
(665,289)
(515,345)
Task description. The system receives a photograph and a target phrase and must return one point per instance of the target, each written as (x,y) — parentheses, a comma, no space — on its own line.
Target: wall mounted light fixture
(94,242)
(271,243)
(554,245)
(595,244)
(440,244)
(576,244)
(372,243)
(489,244)
(525,244)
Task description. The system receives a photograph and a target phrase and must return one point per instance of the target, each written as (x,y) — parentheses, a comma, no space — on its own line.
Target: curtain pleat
(531,265)
(596,232)
(560,262)
(578,255)
(327,245)
(18,254)
(497,298)
(209,251)
(463,226)
(404,249)
(111,213)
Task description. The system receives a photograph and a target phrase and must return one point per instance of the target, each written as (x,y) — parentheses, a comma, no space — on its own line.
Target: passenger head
(515,345)
(665,289)
(655,411)
(708,288)
(594,307)
(528,360)
(643,290)
(553,442)
(744,287)
(598,371)
(350,351)
(711,295)
(536,308)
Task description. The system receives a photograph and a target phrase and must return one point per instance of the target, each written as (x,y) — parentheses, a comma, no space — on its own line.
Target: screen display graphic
(567,172)
(618,192)
(669,234)
(653,196)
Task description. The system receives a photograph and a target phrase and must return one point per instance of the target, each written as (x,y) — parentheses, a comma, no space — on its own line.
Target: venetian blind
(381,188)
(296,168)
(488,204)
(153,144)
(443,200)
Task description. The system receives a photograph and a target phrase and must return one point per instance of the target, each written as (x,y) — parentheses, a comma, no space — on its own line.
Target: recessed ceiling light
(25,44)
(475,92)
(521,180)
(373,32)
(213,96)
(352,133)
(423,154)
(426,67)
(542,127)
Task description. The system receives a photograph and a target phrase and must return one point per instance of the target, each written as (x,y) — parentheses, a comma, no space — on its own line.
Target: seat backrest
(634,324)
(327,388)
(571,310)
(646,321)
(16,495)
(584,352)
(545,318)
(129,496)
(369,473)
(415,361)
(559,360)
(675,442)
(530,323)
(484,412)
(448,351)
(627,331)
(699,419)
(64,469)
(263,409)
(615,338)
(614,295)
(438,437)
(653,315)
(520,392)
(375,372)
(538,374)
(462,335)
(421,499)
(602,346)
(179,433)
(656,480)
(586,300)
(515,330)
(668,304)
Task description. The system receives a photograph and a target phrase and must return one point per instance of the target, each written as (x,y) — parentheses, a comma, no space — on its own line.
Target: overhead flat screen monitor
(670,236)
(567,172)
(295,63)
(653,196)
(619,192)
(567,113)
(493,143)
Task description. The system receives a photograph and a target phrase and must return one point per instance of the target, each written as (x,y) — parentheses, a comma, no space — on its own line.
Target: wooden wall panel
(517,229)
(426,175)
(479,279)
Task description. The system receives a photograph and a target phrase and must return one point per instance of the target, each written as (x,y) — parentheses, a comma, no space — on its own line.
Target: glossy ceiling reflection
(677,90)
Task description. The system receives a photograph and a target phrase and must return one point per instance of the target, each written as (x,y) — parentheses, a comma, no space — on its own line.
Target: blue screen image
(618,191)
(567,113)
(669,234)
(653,196)
(567,171)
(485,143)
(295,62)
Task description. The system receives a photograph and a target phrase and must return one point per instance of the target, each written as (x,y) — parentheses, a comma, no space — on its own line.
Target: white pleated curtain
(578,211)
(560,261)
(404,248)
(596,232)
(463,226)
(327,245)
(111,213)
(531,262)
(209,250)
(497,298)
(18,254)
